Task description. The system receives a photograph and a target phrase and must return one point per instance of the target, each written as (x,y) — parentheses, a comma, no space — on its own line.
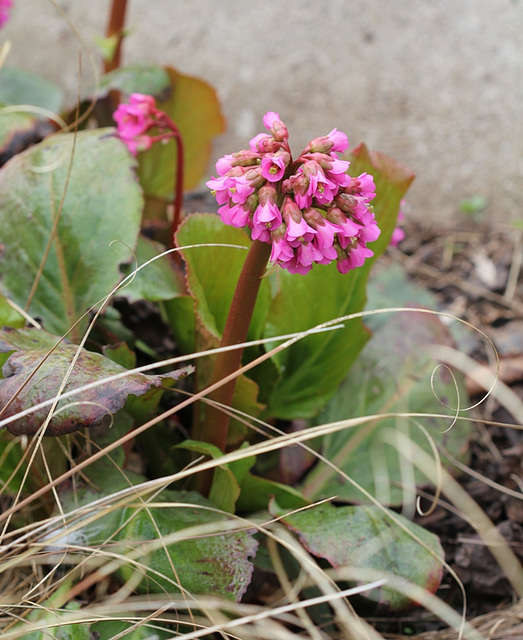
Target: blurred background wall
(438,85)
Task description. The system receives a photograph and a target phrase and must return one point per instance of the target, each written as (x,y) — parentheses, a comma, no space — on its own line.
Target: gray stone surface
(437,84)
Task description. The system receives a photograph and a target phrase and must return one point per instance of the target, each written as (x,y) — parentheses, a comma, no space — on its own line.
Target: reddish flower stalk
(215,426)
(116,29)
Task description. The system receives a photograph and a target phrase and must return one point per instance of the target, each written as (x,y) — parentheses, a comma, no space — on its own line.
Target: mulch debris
(474,272)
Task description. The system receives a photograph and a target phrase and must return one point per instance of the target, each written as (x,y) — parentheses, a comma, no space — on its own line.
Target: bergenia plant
(299,212)
(312,224)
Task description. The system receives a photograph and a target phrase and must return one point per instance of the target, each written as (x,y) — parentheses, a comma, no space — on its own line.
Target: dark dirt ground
(473,270)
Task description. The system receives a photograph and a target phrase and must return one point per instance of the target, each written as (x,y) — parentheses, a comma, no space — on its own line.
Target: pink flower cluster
(5,7)
(310,210)
(133,120)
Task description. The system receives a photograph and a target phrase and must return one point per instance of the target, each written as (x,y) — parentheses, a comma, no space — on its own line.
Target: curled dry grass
(43,565)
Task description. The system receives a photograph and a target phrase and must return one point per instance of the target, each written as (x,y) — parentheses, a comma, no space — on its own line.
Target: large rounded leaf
(395,372)
(214,563)
(367,537)
(102,204)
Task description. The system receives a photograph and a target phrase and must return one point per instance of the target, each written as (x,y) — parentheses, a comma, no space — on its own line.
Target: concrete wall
(437,84)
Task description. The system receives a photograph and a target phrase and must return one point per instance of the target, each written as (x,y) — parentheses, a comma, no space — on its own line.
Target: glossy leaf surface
(88,211)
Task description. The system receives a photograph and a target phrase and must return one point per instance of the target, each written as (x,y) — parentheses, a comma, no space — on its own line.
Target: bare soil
(473,269)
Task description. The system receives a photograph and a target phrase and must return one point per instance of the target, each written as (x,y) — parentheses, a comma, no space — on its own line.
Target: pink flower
(274,165)
(264,143)
(295,266)
(267,216)
(242,159)
(275,126)
(5,6)
(312,183)
(281,249)
(307,254)
(347,227)
(245,185)
(325,234)
(220,188)
(362,186)
(398,234)
(356,256)
(138,143)
(135,118)
(297,228)
(236,215)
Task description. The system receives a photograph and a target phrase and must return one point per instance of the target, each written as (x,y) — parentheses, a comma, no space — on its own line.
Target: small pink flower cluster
(310,209)
(5,7)
(135,119)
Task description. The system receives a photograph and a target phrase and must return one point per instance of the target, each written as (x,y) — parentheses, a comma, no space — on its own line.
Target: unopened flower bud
(275,126)
(267,195)
(345,201)
(335,141)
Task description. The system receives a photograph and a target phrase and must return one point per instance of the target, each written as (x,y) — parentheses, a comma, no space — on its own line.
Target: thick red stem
(116,28)
(215,426)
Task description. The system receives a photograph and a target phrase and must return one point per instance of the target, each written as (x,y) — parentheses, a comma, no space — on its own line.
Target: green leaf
(366,537)
(473,205)
(393,374)
(217,563)
(107,46)
(140,78)
(313,368)
(157,281)
(18,87)
(212,272)
(18,130)
(194,108)
(9,317)
(54,627)
(179,314)
(257,492)
(224,489)
(102,204)
(109,629)
(32,361)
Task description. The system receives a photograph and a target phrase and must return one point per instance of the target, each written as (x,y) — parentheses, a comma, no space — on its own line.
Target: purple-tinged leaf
(30,361)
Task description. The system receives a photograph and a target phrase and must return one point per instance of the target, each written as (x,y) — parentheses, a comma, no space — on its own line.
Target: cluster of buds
(309,209)
(5,7)
(136,118)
